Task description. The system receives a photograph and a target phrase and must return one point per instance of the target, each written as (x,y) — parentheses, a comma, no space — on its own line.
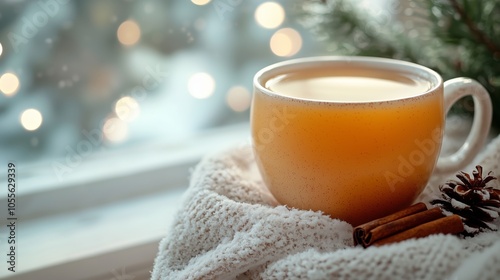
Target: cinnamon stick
(446,225)
(362,233)
(413,222)
(403,224)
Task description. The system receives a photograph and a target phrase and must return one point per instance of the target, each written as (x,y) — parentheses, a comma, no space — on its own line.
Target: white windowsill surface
(49,245)
(127,213)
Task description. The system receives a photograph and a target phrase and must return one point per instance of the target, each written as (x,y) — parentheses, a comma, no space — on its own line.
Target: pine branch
(455,38)
(475,31)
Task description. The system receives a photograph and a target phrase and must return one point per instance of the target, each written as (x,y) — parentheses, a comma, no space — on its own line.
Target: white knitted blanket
(230,227)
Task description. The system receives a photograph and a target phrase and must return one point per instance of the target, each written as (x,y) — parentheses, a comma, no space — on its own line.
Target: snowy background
(78,77)
(119,73)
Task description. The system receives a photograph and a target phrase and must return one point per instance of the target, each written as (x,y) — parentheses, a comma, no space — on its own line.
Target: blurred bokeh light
(133,71)
(9,84)
(31,119)
(286,42)
(115,130)
(200,2)
(128,33)
(270,15)
(201,85)
(238,98)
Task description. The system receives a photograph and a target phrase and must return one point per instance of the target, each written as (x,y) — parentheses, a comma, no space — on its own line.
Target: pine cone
(470,198)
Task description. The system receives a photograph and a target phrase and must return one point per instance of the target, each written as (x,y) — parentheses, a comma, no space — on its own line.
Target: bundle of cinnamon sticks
(413,222)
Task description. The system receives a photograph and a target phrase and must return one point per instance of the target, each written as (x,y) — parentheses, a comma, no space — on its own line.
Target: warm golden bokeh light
(201,85)
(127,109)
(270,15)
(286,42)
(115,130)
(129,33)
(9,84)
(238,98)
(200,2)
(31,119)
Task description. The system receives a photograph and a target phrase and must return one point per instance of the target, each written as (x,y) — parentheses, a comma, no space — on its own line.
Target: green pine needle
(454,37)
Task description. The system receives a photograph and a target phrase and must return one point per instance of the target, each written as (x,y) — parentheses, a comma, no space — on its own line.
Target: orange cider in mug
(354,142)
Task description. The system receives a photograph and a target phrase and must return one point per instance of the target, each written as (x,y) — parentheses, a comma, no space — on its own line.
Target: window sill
(120,236)
(101,227)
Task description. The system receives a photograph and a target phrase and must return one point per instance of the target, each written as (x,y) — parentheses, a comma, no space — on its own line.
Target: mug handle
(455,89)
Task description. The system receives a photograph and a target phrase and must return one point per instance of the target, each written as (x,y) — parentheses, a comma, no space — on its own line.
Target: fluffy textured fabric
(230,227)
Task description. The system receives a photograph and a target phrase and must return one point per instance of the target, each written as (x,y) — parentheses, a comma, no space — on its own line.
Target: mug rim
(377,62)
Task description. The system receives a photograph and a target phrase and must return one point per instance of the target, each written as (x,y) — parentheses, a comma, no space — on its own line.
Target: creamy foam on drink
(347,85)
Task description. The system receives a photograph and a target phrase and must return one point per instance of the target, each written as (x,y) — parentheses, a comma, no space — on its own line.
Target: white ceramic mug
(358,161)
